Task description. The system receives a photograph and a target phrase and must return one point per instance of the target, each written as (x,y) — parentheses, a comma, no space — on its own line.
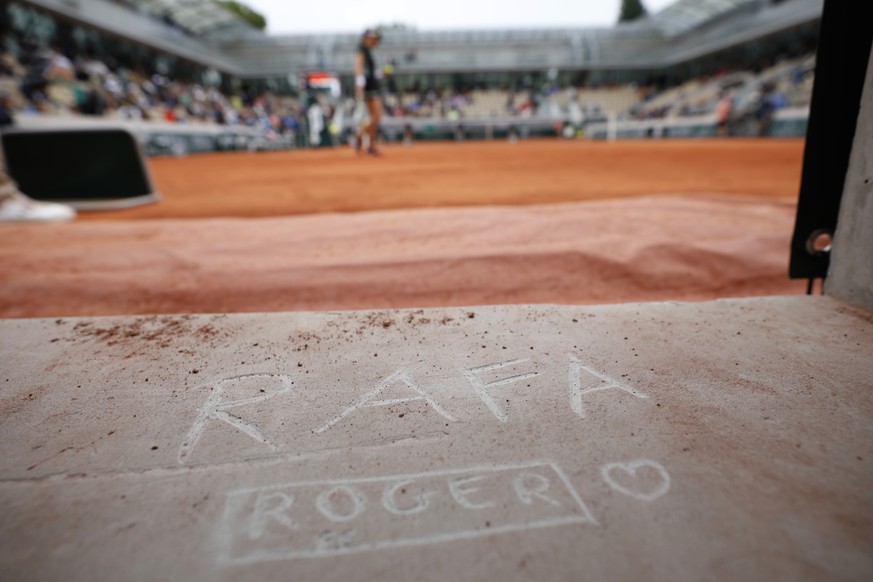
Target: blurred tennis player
(367,92)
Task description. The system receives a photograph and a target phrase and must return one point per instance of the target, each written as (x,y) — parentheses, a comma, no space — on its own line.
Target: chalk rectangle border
(225,535)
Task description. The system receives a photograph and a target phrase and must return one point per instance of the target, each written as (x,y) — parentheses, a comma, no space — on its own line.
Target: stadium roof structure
(204,32)
(685,15)
(204,18)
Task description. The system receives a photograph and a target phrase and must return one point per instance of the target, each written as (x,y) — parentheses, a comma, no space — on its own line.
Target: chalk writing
(330,540)
(603,382)
(420,502)
(583,381)
(300,520)
(270,506)
(366,399)
(531,486)
(463,491)
(481,387)
(641,479)
(216,409)
(330,503)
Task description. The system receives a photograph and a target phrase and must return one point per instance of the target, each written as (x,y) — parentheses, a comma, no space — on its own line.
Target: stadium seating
(139,93)
(791,78)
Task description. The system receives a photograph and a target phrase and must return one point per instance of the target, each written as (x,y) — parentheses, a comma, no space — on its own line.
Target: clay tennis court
(539,221)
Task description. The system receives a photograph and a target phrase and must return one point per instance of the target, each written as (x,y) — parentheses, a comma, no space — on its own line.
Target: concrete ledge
(722,440)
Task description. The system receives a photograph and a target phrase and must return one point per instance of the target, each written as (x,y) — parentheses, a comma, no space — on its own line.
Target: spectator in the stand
(510,103)
(779,100)
(113,90)
(368,90)
(34,85)
(7,65)
(290,123)
(723,114)
(51,83)
(60,67)
(315,116)
(765,110)
(92,101)
(526,109)
(6,116)
(218,113)
(130,111)
(15,206)
(533,99)
(574,110)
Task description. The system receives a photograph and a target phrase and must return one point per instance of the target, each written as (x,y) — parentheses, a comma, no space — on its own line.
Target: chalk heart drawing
(635,479)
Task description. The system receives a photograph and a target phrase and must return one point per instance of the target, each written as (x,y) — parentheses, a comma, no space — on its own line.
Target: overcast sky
(284,16)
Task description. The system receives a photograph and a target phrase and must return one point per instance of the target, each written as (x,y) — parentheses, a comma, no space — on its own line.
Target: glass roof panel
(200,17)
(685,15)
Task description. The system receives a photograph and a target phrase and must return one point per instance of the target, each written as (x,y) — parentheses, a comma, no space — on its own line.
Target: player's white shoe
(16,207)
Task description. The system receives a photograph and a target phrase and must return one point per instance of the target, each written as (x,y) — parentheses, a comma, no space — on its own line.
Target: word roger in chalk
(583,380)
(323,518)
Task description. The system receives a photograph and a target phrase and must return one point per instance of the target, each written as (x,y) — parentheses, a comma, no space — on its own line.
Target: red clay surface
(467,174)
(430,225)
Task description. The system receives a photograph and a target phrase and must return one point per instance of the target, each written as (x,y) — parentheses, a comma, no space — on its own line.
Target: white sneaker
(19,208)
